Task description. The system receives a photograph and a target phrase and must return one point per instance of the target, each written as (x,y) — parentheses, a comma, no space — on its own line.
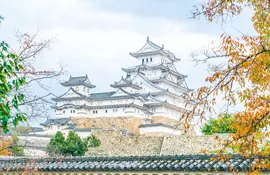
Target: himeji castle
(147,99)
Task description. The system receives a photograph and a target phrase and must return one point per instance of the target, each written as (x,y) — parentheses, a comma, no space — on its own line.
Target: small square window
(151,59)
(70,111)
(146,59)
(142,61)
(73,111)
(106,111)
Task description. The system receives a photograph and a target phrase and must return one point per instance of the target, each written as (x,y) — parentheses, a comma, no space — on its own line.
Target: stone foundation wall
(112,144)
(152,145)
(128,123)
(165,120)
(172,122)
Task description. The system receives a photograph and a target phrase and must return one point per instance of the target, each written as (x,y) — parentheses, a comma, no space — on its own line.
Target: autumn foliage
(5,143)
(244,78)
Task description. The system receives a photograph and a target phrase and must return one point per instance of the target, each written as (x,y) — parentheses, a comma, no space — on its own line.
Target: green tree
(75,146)
(15,148)
(92,141)
(10,82)
(56,145)
(221,125)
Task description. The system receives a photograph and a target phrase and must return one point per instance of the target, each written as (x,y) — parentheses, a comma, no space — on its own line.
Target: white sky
(95,37)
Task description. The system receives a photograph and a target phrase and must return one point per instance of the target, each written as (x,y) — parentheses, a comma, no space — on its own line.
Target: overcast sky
(95,37)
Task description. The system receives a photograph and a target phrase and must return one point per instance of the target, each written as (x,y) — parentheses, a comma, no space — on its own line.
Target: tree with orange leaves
(246,77)
(5,143)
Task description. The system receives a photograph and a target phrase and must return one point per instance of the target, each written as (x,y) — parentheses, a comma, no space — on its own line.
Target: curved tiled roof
(188,163)
(60,121)
(75,81)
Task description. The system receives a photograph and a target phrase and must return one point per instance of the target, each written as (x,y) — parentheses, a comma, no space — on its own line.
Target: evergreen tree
(75,146)
(92,141)
(56,145)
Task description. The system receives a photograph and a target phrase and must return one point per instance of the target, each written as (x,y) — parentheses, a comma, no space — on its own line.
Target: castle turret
(80,84)
(151,53)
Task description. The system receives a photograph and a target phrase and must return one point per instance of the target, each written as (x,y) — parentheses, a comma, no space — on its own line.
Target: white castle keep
(150,92)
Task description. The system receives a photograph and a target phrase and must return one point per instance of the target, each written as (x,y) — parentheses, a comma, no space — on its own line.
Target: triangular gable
(143,81)
(71,93)
(119,92)
(152,99)
(148,48)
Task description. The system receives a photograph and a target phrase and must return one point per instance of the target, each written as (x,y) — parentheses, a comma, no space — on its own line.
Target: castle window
(64,111)
(142,61)
(146,59)
(87,90)
(94,112)
(70,111)
(83,89)
(106,111)
(73,111)
(151,59)
(58,127)
(114,110)
(123,133)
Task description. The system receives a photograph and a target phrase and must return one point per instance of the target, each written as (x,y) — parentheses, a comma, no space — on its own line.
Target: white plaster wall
(149,130)
(83,134)
(156,59)
(30,151)
(167,112)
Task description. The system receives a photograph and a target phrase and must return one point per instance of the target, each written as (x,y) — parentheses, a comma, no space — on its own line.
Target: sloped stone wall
(152,145)
(128,123)
(123,145)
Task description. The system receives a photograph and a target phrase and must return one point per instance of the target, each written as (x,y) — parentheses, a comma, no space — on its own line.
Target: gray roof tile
(191,163)
(60,121)
(74,81)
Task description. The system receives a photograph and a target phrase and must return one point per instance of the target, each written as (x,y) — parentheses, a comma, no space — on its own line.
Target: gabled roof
(158,164)
(75,81)
(59,121)
(36,129)
(125,83)
(168,68)
(151,48)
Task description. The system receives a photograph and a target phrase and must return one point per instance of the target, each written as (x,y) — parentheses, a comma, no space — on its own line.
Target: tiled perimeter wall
(124,173)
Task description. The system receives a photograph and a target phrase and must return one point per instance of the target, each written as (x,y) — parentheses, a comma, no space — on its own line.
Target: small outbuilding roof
(60,121)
